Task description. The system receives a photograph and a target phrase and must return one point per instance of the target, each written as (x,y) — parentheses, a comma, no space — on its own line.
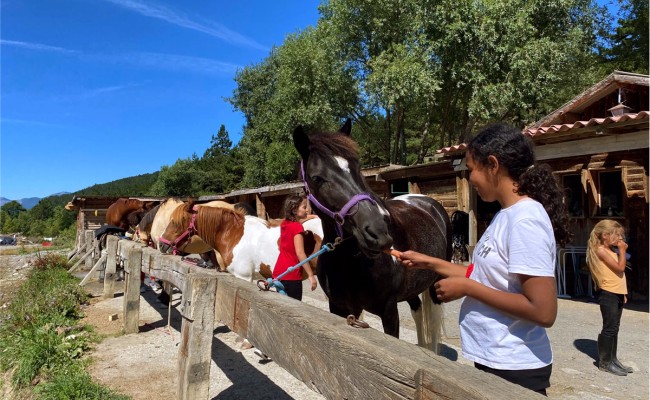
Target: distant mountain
(28,202)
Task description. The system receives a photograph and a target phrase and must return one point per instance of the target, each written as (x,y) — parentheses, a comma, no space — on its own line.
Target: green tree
(381,41)
(7,224)
(13,208)
(43,210)
(629,40)
(300,83)
(219,145)
(416,75)
(183,178)
(216,177)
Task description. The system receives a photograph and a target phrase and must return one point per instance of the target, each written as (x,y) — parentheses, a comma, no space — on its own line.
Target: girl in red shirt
(292,250)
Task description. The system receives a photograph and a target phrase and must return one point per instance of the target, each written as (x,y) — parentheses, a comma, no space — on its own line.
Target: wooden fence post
(195,352)
(111,262)
(131,309)
(90,244)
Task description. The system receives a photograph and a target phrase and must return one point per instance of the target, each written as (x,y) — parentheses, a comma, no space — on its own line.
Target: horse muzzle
(372,236)
(165,248)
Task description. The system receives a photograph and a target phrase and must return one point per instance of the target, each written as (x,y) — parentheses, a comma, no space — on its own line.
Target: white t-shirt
(519,240)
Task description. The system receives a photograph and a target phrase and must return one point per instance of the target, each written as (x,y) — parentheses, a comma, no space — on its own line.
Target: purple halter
(338,217)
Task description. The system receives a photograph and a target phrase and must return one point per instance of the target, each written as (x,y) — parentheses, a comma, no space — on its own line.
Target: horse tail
(428,322)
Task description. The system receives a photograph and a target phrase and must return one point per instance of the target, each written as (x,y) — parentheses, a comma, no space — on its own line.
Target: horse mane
(223,222)
(337,144)
(147,220)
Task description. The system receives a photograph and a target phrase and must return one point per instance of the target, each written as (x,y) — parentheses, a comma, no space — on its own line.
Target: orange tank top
(606,279)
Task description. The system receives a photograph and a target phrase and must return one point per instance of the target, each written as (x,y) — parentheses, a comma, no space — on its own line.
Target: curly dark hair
(516,154)
(291,204)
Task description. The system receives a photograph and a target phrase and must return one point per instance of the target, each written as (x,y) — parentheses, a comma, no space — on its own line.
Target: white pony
(257,251)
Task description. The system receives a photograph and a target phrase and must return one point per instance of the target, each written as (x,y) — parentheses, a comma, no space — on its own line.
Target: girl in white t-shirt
(511,291)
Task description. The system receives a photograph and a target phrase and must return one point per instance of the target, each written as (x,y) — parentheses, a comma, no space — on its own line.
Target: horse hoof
(246,345)
(261,355)
(356,323)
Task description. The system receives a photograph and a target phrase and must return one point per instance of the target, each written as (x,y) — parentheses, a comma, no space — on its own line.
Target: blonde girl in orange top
(608,272)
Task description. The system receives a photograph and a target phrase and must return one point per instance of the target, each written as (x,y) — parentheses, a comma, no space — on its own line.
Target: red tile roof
(543,130)
(583,124)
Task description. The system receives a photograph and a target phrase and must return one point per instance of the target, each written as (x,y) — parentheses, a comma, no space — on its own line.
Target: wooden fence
(315,346)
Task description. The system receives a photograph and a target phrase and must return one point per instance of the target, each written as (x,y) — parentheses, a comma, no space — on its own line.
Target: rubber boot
(605,347)
(629,370)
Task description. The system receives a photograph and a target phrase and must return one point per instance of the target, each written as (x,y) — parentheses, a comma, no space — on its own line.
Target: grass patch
(75,383)
(41,342)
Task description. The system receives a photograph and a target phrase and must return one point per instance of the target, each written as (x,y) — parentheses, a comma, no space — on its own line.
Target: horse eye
(317,179)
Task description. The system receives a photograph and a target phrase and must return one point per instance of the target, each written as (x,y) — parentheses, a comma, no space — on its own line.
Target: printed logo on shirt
(484,251)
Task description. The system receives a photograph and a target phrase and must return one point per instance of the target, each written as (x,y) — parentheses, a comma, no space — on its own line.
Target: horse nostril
(381,239)
(371,233)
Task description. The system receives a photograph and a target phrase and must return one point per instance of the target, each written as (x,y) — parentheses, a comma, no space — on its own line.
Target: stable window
(574,195)
(399,187)
(610,194)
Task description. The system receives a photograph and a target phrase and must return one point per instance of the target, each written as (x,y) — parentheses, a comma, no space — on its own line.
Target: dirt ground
(144,365)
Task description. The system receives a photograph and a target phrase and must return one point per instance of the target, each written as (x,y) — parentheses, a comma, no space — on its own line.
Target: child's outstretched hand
(413,259)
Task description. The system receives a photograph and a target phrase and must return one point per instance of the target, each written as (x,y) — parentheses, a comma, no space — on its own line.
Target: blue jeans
(611,308)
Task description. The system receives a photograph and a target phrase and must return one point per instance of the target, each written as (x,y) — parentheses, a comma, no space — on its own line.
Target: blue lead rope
(279,287)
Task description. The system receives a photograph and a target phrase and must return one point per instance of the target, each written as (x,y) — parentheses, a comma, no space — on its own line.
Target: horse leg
(165,295)
(428,317)
(340,311)
(390,319)
(212,259)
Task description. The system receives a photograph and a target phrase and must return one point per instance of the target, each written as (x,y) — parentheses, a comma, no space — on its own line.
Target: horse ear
(189,205)
(301,142)
(347,127)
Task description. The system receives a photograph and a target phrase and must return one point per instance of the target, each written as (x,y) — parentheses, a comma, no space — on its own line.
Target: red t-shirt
(288,257)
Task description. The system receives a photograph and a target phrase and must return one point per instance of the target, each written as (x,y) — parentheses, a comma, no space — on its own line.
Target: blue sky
(98,90)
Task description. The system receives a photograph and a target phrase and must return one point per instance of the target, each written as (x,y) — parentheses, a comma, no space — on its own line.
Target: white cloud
(210,28)
(96,92)
(174,62)
(36,46)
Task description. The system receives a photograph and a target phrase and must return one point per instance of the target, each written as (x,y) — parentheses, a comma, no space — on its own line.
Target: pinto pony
(359,274)
(247,244)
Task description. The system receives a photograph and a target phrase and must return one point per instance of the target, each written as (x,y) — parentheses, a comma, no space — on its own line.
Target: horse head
(180,228)
(331,173)
(219,228)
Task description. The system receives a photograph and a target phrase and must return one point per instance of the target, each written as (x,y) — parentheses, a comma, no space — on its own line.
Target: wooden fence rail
(315,346)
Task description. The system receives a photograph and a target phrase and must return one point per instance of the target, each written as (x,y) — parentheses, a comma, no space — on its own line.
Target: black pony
(358,274)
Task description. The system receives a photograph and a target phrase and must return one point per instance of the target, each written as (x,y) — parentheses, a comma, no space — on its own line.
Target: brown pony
(125,213)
